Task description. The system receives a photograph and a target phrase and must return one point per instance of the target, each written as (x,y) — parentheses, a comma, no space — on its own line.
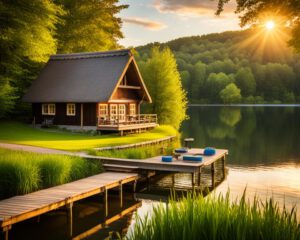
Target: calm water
(263,144)
(264,156)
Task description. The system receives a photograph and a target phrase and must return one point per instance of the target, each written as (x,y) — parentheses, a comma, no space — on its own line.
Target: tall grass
(213,217)
(137,153)
(23,172)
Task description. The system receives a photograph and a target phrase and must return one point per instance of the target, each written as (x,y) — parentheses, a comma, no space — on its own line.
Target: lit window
(103,110)
(122,112)
(132,109)
(113,111)
(71,109)
(48,109)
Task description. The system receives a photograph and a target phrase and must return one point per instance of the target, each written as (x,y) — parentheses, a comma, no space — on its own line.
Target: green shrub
(213,217)
(23,172)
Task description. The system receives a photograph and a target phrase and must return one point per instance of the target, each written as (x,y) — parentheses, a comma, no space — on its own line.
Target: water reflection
(89,221)
(263,143)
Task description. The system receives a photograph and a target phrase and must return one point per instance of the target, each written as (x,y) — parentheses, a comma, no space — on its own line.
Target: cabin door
(122,112)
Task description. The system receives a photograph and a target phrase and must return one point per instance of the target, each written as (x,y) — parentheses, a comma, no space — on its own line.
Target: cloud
(152,25)
(193,7)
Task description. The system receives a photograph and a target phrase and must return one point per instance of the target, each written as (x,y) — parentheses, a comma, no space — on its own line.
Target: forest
(249,66)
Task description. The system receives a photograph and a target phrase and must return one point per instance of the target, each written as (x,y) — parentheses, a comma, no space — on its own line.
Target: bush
(217,218)
(23,172)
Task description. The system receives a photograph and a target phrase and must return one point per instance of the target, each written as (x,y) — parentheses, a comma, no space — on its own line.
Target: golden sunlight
(270,25)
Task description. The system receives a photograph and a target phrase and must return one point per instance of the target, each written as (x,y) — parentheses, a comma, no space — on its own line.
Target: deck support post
(223,167)
(5,231)
(70,218)
(121,195)
(173,180)
(213,175)
(134,186)
(199,177)
(193,180)
(105,202)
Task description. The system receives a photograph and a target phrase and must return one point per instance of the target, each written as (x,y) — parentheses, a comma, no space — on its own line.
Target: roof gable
(79,77)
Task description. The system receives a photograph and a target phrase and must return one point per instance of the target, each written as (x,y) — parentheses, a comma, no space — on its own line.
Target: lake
(263,144)
(264,157)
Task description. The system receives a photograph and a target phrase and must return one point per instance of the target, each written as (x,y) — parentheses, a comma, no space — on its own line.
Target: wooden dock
(20,208)
(177,165)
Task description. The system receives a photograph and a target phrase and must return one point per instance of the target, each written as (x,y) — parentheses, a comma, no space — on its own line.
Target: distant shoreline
(243,105)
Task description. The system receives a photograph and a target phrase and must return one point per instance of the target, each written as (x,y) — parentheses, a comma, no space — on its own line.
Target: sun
(270,25)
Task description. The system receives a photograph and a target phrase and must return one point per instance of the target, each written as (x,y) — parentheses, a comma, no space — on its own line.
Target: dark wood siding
(61,118)
(89,114)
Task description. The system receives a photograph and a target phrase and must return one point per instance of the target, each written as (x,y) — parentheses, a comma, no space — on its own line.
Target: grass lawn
(14,132)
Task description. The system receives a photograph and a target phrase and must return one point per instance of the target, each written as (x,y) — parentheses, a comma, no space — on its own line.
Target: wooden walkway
(20,208)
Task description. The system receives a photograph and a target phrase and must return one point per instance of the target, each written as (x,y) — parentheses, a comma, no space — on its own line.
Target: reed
(23,172)
(138,152)
(214,217)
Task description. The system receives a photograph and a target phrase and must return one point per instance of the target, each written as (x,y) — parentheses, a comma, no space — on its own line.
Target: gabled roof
(81,77)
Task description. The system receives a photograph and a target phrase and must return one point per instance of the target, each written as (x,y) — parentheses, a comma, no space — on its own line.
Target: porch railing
(128,120)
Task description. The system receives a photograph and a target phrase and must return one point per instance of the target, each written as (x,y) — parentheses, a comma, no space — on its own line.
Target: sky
(146,21)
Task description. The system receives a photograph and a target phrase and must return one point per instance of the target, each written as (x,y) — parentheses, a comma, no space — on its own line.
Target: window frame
(48,106)
(113,116)
(68,112)
(101,115)
(130,109)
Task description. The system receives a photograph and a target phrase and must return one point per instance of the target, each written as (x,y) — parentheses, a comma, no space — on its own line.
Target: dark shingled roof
(79,77)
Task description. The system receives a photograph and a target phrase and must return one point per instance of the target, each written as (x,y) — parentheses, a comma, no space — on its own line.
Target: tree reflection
(253,135)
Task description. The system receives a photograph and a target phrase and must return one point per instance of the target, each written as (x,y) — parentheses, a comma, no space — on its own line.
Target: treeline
(33,30)
(236,67)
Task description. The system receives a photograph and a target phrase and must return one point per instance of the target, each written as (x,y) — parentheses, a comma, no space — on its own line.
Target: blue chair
(193,158)
(166,158)
(209,151)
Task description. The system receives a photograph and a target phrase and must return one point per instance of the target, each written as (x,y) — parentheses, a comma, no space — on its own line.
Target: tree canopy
(33,30)
(265,73)
(163,81)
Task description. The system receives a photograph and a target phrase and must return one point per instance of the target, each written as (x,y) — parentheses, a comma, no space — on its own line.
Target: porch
(136,122)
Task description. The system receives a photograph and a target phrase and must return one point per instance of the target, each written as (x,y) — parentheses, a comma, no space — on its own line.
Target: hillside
(258,65)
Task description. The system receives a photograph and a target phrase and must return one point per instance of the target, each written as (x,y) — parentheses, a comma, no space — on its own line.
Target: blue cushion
(209,151)
(194,158)
(181,150)
(166,158)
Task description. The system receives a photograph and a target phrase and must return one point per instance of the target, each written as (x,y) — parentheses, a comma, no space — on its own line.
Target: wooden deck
(20,208)
(179,165)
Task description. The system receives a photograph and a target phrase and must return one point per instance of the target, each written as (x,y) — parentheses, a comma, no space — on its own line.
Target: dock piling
(121,195)
(70,218)
(223,166)
(213,175)
(199,177)
(105,202)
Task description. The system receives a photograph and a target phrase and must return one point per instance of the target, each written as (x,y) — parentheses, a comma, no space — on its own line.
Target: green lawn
(14,132)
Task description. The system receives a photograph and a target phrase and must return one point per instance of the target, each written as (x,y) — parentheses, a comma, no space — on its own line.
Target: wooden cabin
(100,90)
